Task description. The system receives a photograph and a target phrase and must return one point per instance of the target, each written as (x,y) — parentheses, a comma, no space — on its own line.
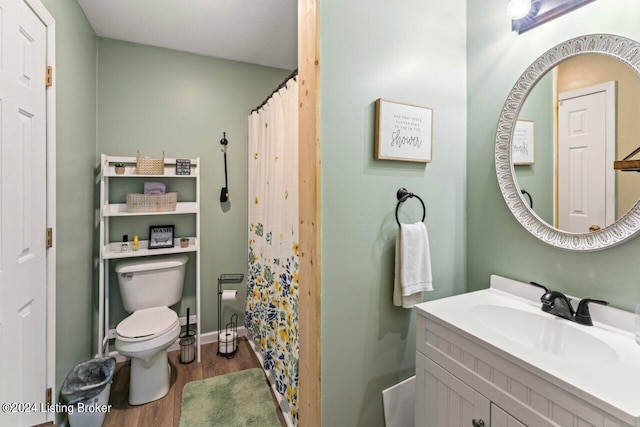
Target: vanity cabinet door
(500,418)
(442,400)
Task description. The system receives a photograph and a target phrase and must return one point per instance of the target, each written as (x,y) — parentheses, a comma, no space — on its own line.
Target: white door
(585,184)
(23,198)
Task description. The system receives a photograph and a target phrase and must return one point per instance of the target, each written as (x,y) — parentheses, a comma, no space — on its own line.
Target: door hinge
(48,79)
(48,397)
(49,238)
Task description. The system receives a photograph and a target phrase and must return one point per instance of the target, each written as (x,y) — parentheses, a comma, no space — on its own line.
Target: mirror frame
(627,226)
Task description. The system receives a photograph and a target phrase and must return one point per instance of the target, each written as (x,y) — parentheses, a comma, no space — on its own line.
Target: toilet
(148,287)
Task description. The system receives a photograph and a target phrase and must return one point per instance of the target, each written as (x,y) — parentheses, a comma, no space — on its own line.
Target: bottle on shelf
(136,243)
(125,243)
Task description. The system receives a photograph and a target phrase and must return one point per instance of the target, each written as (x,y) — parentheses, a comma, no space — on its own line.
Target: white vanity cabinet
(443,400)
(500,418)
(465,377)
(450,402)
(110,209)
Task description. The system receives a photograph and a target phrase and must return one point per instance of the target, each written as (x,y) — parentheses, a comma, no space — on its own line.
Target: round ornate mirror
(568,118)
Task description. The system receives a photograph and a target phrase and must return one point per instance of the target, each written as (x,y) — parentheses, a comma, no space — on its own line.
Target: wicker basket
(137,202)
(149,166)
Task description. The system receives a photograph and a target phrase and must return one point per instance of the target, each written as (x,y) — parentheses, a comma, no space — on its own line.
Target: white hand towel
(413,265)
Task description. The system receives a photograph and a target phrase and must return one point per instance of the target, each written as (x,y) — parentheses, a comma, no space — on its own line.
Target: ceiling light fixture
(527,14)
(517,9)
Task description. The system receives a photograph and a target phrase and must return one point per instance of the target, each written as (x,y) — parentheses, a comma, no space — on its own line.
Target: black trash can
(86,392)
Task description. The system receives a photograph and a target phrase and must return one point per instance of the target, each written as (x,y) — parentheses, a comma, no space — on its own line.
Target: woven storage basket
(137,202)
(149,166)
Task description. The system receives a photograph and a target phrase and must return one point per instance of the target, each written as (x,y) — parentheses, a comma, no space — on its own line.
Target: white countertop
(610,381)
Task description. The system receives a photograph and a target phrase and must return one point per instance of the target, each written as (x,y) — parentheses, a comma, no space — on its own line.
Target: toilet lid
(147,322)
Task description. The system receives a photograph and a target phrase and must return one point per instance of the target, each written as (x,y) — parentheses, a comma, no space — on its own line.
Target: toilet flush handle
(126,275)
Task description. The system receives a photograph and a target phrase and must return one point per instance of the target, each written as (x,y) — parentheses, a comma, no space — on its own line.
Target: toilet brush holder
(187,347)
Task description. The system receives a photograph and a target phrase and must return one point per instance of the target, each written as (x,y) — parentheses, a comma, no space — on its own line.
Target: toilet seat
(144,337)
(147,324)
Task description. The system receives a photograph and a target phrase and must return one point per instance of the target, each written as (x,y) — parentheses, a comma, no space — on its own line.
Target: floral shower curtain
(271,308)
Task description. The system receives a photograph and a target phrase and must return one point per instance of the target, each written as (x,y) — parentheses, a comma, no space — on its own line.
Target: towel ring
(402,194)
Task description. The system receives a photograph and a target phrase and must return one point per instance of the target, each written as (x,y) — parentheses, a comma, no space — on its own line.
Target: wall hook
(224,193)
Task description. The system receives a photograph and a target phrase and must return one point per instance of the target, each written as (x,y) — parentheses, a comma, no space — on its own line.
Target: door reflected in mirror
(585,114)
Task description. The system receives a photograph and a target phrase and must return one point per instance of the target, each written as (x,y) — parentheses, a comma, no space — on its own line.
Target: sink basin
(543,332)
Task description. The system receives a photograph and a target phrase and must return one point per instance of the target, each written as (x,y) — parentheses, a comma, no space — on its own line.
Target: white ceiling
(260,32)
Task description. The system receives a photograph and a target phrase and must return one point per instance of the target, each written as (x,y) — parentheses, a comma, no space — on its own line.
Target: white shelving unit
(110,250)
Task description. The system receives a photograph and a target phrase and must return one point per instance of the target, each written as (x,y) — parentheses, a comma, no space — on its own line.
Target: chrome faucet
(558,304)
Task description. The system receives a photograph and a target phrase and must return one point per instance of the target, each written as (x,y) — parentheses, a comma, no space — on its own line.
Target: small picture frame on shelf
(183,167)
(161,236)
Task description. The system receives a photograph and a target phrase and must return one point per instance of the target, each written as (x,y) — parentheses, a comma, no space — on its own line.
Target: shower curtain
(271,308)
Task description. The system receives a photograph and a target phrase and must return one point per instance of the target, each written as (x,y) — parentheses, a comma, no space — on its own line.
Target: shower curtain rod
(280,86)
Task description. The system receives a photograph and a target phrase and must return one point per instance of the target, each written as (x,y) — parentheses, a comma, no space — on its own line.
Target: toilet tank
(151,281)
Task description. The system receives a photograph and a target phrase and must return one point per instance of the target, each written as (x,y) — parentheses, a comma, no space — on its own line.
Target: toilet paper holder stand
(232,326)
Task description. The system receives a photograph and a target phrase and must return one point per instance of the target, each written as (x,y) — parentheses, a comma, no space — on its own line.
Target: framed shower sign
(403,132)
(522,145)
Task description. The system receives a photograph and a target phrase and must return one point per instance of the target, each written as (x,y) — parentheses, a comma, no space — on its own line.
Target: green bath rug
(238,399)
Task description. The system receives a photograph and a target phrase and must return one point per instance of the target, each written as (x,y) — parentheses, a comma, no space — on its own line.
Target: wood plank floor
(166,411)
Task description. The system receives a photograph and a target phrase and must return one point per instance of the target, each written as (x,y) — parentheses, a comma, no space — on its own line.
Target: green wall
(496,242)
(412,53)
(154,100)
(75,75)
